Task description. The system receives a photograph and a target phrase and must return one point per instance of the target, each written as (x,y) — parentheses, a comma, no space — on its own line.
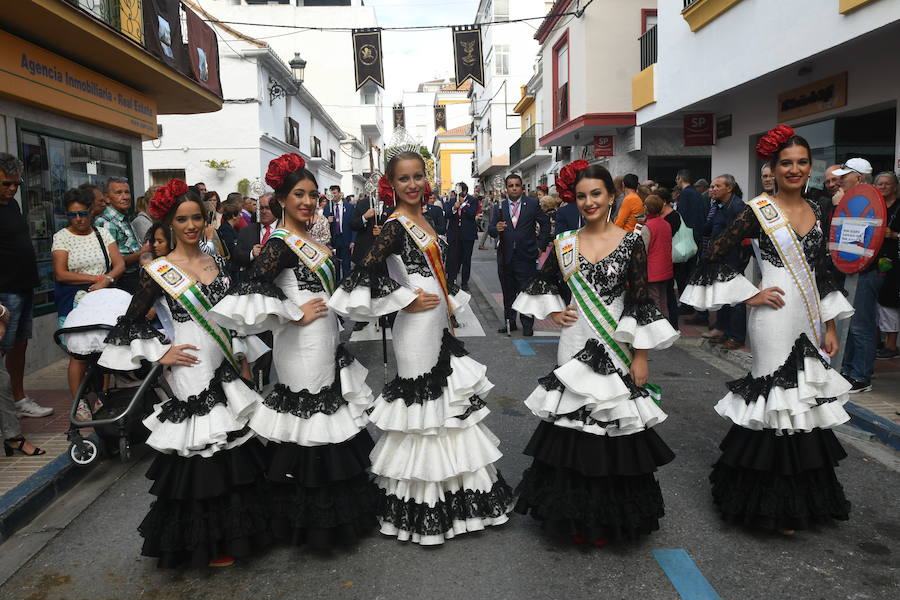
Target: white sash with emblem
(312,256)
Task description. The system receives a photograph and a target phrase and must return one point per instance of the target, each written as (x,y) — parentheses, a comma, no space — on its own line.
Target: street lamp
(298,67)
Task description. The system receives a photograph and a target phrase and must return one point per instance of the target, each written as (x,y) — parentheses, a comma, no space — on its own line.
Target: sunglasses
(11,183)
(79,214)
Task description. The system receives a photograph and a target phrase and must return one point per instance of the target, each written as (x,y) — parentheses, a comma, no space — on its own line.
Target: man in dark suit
(568,218)
(694,210)
(461,235)
(366,224)
(339,213)
(514,223)
(434,214)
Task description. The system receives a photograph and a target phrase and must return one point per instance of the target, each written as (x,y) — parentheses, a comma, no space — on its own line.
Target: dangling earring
(171,239)
(609,213)
(806,189)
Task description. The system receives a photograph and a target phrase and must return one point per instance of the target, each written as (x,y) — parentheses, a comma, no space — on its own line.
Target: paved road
(97,555)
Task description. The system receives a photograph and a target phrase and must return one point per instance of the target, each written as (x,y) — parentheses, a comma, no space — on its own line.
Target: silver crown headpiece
(401,141)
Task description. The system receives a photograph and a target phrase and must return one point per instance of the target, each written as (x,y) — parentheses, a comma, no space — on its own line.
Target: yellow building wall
(446,166)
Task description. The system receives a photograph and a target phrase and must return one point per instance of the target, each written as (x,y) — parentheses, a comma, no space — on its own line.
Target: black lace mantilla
(127,331)
(304,404)
(378,284)
(751,388)
(409,515)
(176,410)
(428,386)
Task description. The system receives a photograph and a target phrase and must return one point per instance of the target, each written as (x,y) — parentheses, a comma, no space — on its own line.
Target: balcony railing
(648,48)
(525,146)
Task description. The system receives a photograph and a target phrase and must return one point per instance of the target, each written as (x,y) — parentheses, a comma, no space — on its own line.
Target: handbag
(66,295)
(683,245)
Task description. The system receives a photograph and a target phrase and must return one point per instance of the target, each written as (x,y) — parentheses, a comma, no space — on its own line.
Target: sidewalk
(877,412)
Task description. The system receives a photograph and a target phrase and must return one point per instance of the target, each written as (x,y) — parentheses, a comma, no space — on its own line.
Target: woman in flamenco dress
(434,462)
(776,469)
(314,419)
(208,473)
(595,451)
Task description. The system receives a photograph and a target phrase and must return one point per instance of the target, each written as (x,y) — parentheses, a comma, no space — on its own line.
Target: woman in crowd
(142,221)
(10,429)
(776,469)
(85,258)
(657,236)
(595,452)
(208,472)
(674,220)
(314,419)
(888,316)
(320,231)
(434,463)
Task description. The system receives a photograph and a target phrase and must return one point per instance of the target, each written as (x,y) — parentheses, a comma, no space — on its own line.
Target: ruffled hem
(207,433)
(803,394)
(599,455)
(400,455)
(570,504)
(456,508)
(538,306)
(315,430)
(255,312)
(657,335)
(786,455)
(356,300)
(726,287)
(458,301)
(835,306)
(317,466)
(128,358)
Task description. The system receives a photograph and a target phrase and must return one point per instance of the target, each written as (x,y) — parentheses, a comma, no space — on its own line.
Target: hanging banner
(467,54)
(399,117)
(162,33)
(367,57)
(203,52)
(699,129)
(440,118)
(603,145)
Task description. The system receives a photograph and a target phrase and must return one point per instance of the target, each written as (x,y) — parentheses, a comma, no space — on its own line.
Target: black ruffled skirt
(207,507)
(778,482)
(594,486)
(322,495)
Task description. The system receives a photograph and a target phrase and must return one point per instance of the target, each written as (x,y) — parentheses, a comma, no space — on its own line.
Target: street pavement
(95,552)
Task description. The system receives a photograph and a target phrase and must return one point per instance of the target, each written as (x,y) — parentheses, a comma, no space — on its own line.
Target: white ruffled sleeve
(134,339)
(714,285)
(541,296)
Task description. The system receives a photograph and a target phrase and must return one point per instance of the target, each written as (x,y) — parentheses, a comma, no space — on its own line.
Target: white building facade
(828,72)
(265,114)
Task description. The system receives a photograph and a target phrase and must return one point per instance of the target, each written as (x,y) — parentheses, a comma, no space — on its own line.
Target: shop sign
(33,75)
(699,129)
(603,145)
(723,126)
(816,97)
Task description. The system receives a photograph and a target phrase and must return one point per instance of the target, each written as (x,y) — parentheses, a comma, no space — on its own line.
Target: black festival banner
(162,33)
(399,117)
(367,57)
(440,117)
(203,52)
(467,54)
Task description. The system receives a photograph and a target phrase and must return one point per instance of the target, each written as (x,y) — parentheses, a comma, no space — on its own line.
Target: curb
(24,502)
(885,430)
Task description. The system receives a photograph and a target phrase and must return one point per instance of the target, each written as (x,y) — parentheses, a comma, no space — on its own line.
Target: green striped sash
(312,256)
(184,290)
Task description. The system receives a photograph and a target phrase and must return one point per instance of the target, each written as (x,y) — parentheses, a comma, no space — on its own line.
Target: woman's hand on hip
(312,310)
(424,301)
(178,356)
(565,318)
(772,297)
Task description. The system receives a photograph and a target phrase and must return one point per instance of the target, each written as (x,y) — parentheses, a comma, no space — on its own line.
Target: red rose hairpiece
(770,143)
(164,198)
(281,167)
(565,181)
(385,191)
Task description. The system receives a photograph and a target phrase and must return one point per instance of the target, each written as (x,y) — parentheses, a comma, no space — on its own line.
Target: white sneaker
(27,407)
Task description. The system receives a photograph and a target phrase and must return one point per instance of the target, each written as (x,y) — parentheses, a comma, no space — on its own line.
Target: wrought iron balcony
(525,146)
(648,48)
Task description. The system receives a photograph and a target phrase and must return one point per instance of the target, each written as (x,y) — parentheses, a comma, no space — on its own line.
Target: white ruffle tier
(128,358)
(468,378)
(359,305)
(606,397)
(204,435)
(657,335)
(835,306)
(459,301)
(249,347)
(795,409)
(320,428)
(538,306)
(719,293)
(255,313)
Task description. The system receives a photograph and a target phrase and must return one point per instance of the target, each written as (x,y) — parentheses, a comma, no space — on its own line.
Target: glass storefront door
(54,163)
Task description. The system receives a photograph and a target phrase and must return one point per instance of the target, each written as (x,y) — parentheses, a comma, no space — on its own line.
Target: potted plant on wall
(219,165)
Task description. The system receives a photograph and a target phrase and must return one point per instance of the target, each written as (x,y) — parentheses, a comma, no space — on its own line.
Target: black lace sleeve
(828,278)
(390,241)
(713,266)
(548,279)
(371,271)
(134,324)
(638,303)
(272,260)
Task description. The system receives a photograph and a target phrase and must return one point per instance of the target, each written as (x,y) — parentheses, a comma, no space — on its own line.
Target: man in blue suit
(461,235)
(515,223)
(339,213)
(568,218)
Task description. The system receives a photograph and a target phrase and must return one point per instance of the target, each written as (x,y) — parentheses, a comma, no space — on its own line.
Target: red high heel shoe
(222,561)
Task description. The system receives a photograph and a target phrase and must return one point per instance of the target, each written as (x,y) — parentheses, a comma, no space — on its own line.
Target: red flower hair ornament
(164,198)
(281,167)
(770,143)
(565,181)
(385,191)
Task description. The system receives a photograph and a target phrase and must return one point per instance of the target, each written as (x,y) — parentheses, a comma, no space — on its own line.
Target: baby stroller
(119,401)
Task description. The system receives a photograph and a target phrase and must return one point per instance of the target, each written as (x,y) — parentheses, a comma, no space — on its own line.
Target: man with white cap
(861,346)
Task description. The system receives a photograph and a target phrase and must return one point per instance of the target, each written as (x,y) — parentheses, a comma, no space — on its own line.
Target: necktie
(337,217)
(515,213)
(265,237)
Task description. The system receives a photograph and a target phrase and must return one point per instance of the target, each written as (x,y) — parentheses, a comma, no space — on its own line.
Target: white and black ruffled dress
(434,463)
(208,477)
(595,451)
(776,470)
(314,419)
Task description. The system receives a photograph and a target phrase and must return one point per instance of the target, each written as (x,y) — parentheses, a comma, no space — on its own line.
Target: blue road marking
(524,348)
(687,579)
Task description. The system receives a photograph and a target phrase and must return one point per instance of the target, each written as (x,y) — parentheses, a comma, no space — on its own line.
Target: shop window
(162,176)
(54,164)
